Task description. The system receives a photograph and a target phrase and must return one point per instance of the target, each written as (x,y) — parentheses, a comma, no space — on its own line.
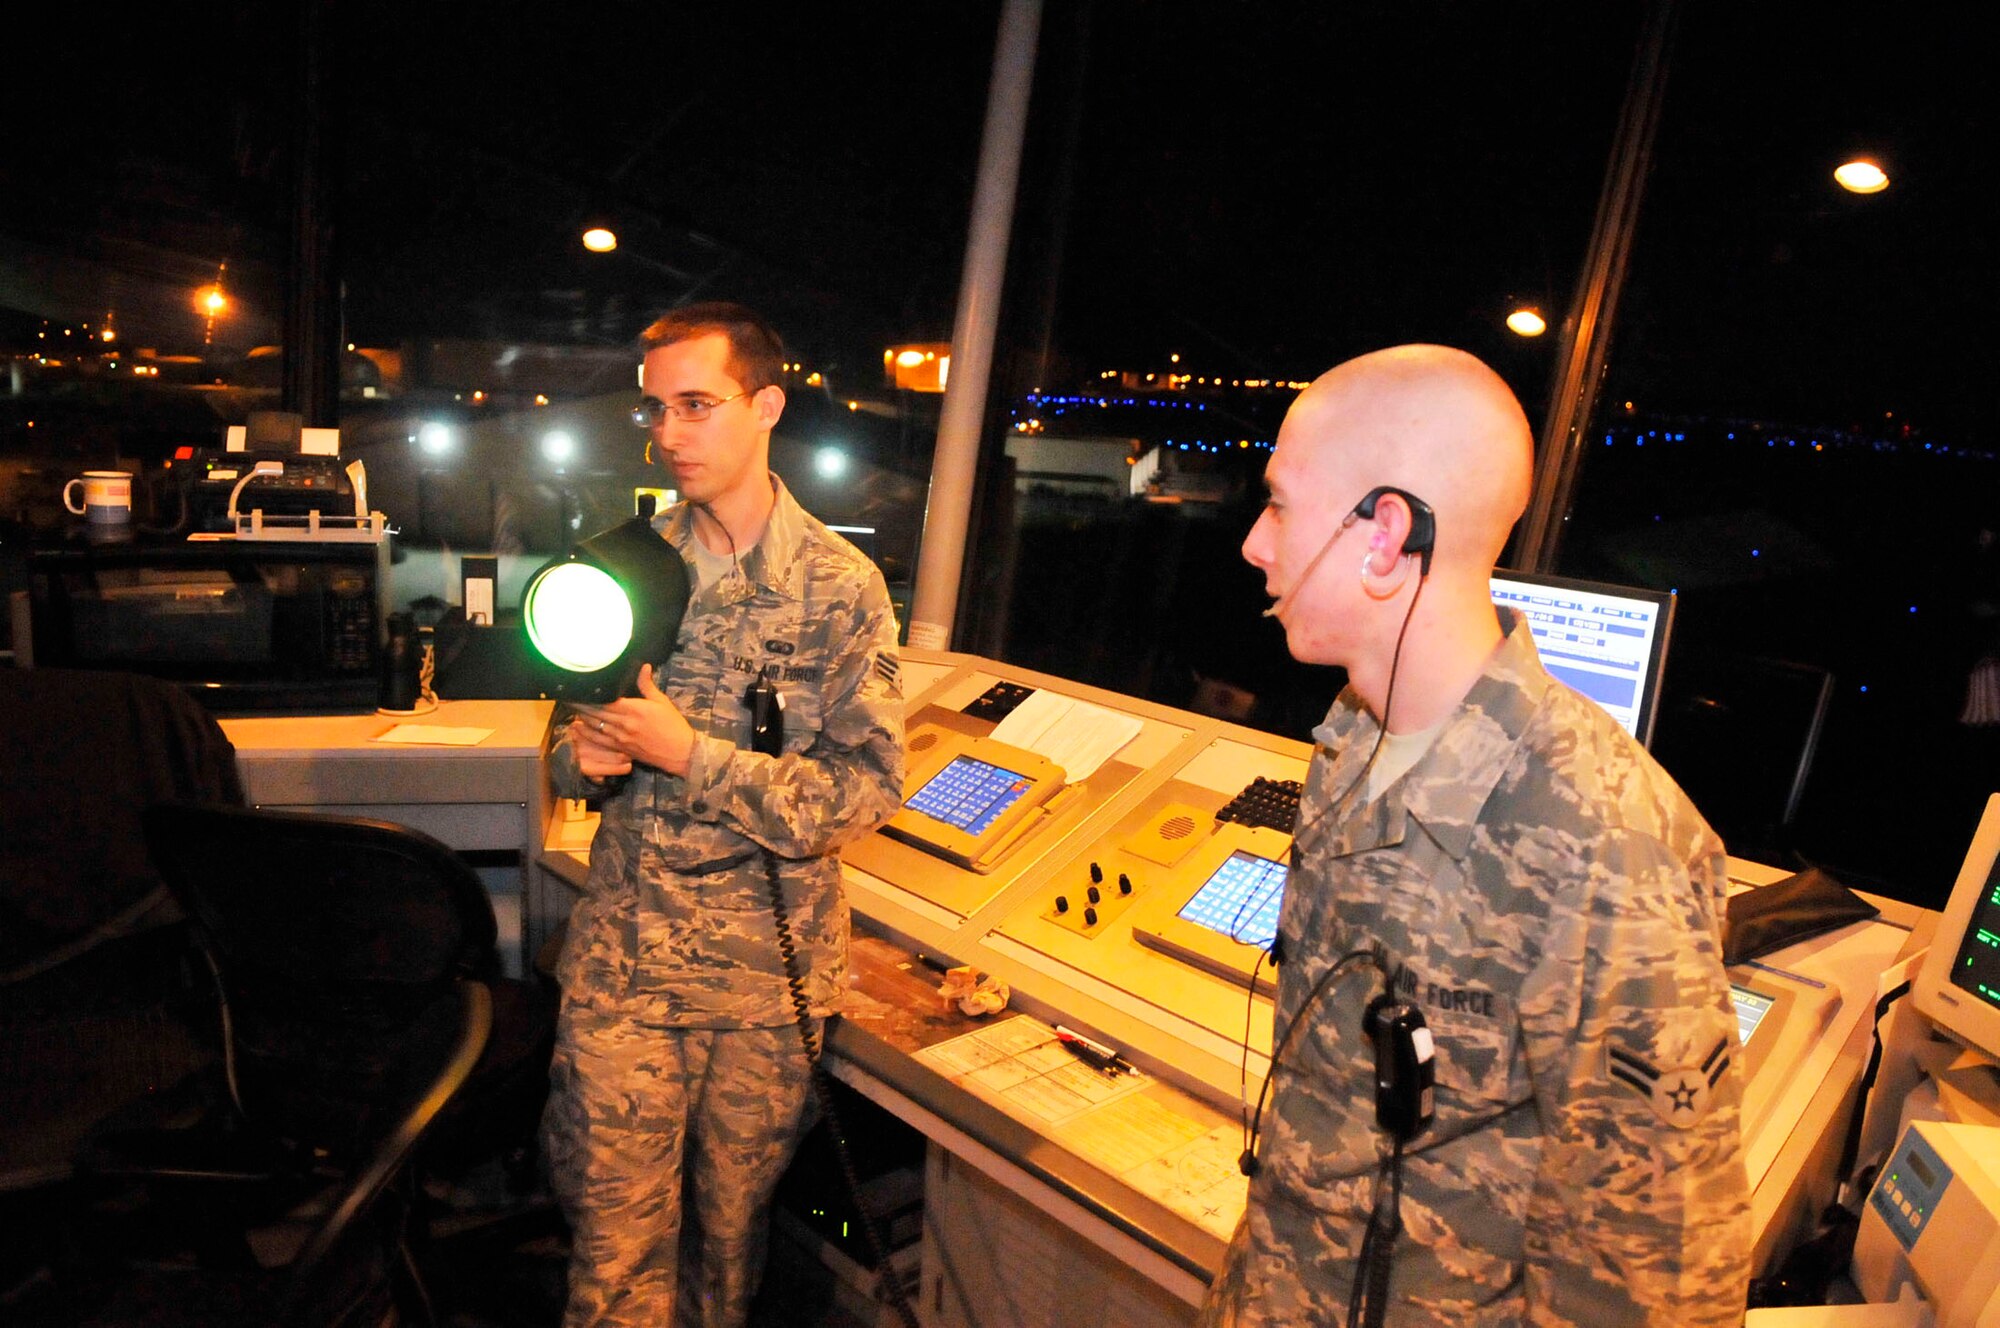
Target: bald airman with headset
(1505,1086)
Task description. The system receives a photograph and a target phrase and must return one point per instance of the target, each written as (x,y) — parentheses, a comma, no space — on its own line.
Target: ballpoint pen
(1091,1052)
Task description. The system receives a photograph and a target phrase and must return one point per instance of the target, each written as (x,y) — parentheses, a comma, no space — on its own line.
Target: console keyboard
(1271,803)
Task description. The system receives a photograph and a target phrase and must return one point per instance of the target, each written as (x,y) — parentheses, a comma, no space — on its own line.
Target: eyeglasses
(651,412)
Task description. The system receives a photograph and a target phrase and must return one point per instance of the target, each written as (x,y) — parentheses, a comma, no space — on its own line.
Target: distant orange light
(1861,176)
(210,302)
(599,240)
(1526,323)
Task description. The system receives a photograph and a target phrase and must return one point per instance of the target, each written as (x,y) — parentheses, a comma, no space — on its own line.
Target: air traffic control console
(1123,897)
(1114,907)
(1135,912)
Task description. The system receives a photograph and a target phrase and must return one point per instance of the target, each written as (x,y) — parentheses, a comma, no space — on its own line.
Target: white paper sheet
(1076,735)
(437,735)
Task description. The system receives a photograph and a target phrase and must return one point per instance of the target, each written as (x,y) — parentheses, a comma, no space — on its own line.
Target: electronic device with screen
(1958,988)
(1608,642)
(1932,1225)
(1760,1012)
(1218,910)
(1779,1019)
(968,799)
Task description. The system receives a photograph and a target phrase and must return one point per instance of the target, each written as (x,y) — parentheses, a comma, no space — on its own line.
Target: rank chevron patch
(1680,1096)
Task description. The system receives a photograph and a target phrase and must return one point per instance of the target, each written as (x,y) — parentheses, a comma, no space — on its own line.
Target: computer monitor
(1608,642)
(1958,988)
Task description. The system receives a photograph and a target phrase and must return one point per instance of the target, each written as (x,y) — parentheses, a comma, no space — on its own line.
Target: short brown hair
(756,355)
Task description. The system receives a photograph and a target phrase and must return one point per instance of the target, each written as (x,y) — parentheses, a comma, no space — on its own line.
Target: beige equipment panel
(1144,868)
(1141,819)
(916,883)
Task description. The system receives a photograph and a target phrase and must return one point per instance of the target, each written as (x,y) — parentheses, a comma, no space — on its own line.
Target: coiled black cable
(1368,1300)
(823,1090)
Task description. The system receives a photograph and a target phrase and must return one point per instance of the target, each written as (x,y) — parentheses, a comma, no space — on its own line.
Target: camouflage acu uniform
(1554,904)
(676,1018)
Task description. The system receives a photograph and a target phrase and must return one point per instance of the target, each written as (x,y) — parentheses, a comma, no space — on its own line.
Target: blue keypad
(969,795)
(1241,899)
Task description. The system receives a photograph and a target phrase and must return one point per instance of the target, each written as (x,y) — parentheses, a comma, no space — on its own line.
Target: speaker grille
(923,742)
(1180,827)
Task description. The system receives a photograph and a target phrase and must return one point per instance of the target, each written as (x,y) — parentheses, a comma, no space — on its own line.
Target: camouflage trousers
(1223,1306)
(636,1117)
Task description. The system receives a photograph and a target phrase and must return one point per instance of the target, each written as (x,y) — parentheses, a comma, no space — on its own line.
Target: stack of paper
(1076,735)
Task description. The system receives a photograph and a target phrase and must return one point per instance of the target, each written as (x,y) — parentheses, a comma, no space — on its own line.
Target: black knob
(1062,903)
(1092,894)
(1096,874)
(1090,917)
(1124,884)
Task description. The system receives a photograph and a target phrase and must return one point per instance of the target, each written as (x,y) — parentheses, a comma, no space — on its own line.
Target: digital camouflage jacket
(675,924)
(1554,904)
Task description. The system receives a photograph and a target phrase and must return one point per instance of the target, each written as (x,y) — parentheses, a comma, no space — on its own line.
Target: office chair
(101,1000)
(328,938)
(329,933)
(351,1265)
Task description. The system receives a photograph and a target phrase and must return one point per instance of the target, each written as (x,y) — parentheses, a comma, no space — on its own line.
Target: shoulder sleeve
(1639,1212)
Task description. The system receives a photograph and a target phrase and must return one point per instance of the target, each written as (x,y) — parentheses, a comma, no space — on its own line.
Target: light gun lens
(578,617)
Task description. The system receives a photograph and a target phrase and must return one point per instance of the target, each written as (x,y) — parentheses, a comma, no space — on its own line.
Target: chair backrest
(331,935)
(96,1010)
(82,755)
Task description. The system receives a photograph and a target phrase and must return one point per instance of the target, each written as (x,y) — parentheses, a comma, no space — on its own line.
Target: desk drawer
(332,781)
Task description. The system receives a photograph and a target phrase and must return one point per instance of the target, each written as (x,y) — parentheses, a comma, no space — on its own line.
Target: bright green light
(578,617)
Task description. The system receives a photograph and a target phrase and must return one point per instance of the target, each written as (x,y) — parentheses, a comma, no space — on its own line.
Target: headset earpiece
(1422,539)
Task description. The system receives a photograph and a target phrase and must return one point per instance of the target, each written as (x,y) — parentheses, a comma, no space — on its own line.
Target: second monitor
(1608,642)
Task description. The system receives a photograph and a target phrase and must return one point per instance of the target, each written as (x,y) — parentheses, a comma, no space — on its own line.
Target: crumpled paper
(975,995)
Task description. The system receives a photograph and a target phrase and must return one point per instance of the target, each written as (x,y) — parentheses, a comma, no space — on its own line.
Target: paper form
(436,735)
(1182,1158)
(1076,735)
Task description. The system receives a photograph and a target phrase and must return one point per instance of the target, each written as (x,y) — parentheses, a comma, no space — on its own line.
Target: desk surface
(518,728)
(893,1012)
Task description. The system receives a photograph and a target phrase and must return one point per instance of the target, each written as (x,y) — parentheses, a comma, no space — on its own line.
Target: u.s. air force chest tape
(1677,1076)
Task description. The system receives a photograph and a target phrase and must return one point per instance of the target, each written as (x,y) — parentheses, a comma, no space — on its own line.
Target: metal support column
(934,605)
(1586,333)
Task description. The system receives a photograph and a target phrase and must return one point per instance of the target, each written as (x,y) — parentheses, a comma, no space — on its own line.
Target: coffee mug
(107,497)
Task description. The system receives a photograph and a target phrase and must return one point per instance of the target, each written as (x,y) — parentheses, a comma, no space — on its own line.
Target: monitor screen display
(969,795)
(1607,642)
(1240,899)
(1958,987)
(1975,969)
(1751,1007)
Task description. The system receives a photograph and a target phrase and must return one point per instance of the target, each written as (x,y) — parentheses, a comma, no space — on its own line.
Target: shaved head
(1435,421)
(1436,425)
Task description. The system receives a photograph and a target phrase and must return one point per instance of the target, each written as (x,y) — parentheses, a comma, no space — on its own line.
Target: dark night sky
(1264,188)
